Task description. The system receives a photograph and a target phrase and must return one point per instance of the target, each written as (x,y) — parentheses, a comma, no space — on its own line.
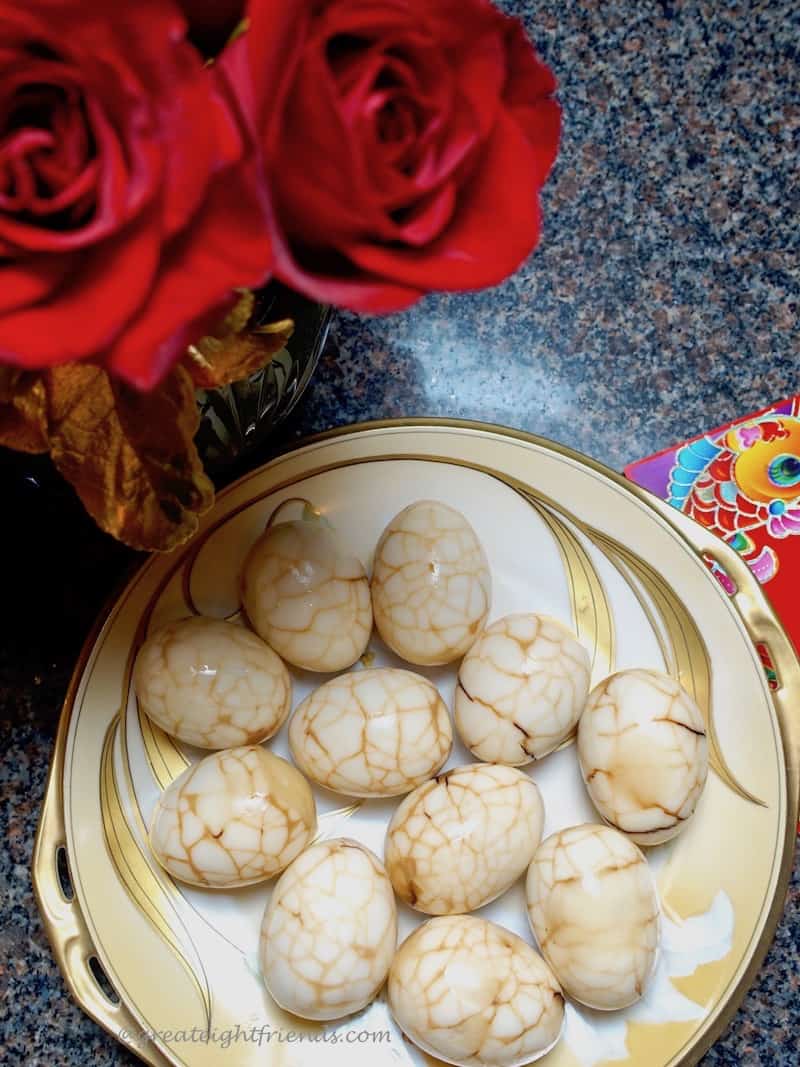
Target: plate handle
(67,932)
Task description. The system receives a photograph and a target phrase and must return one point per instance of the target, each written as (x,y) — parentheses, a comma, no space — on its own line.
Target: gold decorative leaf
(165,759)
(152,893)
(591,611)
(23,407)
(130,456)
(682,646)
(686,654)
(239,315)
(237,349)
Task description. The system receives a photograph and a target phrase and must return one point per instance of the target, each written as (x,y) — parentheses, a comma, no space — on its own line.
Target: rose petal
(528,94)
(223,250)
(345,287)
(428,218)
(104,288)
(319,176)
(31,280)
(495,225)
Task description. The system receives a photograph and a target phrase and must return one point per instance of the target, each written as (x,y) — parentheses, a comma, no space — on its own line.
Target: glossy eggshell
(474,994)
(371,733)
(329,931)
(643,753)
(460,840)
(211,683)
(431,587)
(521,689)
(307,596)
(593,907)
(234,818)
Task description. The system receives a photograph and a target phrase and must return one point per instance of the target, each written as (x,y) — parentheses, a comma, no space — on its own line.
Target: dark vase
(236,418)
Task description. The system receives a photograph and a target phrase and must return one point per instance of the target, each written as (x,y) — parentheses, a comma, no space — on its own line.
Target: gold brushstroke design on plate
(686,656)
(165,759)
(591,611)
(154,897)
(688,661)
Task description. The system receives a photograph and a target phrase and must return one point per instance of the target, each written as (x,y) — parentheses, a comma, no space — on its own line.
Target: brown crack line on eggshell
(502,956)
(299,882)
(365,771)
(340,587)
(251,863)
(404,638)
(605,701)
(532,743)
(472,795)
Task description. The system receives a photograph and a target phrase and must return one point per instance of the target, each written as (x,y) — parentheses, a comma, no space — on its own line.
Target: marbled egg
(474,994)
(593,907)
(431,588)
(644,754)
(329,932)
(521,689)
(234,818)
(211,683)
(307,596)
(462,839)
(371,733)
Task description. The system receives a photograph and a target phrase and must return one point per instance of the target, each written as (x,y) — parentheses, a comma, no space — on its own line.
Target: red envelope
(742,481)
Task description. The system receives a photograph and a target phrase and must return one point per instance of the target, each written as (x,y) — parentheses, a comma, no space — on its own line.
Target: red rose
(125,205)
(404,141)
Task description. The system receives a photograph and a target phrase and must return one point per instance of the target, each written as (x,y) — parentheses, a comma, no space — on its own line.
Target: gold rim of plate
(65,925)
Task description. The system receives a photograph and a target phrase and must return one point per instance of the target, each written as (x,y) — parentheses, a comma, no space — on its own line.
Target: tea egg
(306,596)
(643,753)
(462,839)
(431,587)
(521,689)
(474,994)
(234,818)
(593,907)
(371,733)
(329,932)
(211,683)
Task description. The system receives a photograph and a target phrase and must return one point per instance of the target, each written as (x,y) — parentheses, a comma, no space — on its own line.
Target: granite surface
(663,299)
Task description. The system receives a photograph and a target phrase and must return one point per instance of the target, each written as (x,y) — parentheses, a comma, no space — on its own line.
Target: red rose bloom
(125,204)
(404,142)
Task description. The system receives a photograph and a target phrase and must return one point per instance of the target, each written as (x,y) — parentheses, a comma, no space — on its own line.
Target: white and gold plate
(564,537)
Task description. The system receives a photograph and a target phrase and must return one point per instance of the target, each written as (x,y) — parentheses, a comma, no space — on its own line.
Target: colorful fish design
(742,481)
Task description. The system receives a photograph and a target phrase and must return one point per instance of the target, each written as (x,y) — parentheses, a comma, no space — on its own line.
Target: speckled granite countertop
(663,299)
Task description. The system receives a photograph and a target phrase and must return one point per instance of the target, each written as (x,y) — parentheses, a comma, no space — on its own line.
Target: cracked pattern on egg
(431,587)
(643,753)
(372,733)
(473,993)
(234,818)
(593,907)
(307,598)
(460,840)
(329,931)
(211,683)
(521,689)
